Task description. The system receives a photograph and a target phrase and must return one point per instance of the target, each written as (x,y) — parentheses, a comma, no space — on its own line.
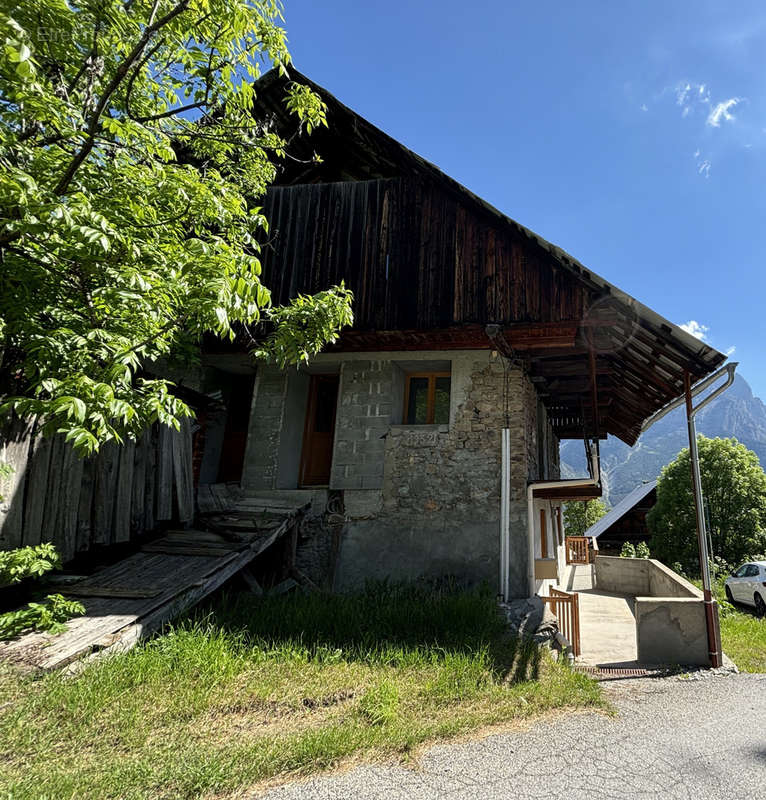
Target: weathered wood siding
(124,491)
(416,257)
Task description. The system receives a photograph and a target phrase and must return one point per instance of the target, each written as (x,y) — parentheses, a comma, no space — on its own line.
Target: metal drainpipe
(574,484)
(711,606)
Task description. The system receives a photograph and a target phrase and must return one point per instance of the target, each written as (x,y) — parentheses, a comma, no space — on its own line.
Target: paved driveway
(692,739)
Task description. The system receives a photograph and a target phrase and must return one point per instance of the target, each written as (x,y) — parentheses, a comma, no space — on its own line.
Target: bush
(27,562)
(642,550)
(53,611)
(628,551)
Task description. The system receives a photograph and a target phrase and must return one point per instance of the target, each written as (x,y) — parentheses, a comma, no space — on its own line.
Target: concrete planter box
(669,611)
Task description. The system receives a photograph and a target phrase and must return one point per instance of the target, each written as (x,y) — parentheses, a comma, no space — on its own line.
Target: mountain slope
(737,412)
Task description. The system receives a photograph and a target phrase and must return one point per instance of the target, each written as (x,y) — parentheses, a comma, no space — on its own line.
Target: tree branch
(112,86)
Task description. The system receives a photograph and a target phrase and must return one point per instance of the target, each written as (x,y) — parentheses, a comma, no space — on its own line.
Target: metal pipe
(505,513)
(711,606)
(696,389)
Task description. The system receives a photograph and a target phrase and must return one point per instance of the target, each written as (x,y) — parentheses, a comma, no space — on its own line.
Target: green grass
(743,637)
(249,690)
(743,634)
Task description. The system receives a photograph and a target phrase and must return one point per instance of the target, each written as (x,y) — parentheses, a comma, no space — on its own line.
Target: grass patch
(247,690)
(743,637)
(743,634)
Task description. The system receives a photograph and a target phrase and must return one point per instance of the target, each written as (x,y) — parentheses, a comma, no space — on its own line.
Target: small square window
(426,398)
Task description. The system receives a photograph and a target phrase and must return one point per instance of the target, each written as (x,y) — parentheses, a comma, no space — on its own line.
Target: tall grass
(247,689)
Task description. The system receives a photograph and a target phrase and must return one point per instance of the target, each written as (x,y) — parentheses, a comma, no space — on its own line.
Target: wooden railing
(566,607)
(577,550)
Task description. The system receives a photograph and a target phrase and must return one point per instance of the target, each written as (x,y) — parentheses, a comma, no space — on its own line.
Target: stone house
(477,346)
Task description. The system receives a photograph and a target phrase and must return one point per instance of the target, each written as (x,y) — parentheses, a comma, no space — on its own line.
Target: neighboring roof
(644,354)
(621,509)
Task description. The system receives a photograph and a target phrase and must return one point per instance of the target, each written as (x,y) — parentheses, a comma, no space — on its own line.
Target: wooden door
(319,432)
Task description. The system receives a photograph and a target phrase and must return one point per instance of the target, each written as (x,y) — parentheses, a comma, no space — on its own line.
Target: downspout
(594,480)
(711,606)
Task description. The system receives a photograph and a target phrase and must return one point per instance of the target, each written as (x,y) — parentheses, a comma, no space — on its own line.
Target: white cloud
(704,168)
(695,329)
(644,107)
(730,352)
(721,112)
(690,94)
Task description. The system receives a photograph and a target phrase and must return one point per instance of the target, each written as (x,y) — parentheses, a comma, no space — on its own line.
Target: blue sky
(631,134)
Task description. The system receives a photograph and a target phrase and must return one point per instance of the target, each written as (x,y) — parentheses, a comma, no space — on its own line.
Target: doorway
(319,431)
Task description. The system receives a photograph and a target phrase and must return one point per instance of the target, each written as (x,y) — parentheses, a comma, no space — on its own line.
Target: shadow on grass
(395,624)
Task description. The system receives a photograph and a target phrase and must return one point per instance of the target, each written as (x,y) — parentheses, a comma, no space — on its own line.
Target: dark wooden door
(319,432)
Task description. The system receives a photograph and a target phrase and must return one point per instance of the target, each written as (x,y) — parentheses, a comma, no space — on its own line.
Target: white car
(747,584)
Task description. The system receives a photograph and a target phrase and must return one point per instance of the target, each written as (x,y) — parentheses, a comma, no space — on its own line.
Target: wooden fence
(55,496)
(577,549)
(566,607)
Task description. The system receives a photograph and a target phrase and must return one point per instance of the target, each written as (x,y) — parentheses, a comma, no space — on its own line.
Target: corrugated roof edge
(621,509)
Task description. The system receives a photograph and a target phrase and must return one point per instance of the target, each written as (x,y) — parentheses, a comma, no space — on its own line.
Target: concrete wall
(670,612)
(671,630)
(623,575)
(364,415)
(641,576)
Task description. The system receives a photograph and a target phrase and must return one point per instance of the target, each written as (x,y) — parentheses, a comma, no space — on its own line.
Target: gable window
(426,398)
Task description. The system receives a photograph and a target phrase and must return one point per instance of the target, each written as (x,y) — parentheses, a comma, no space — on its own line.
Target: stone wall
(438,507)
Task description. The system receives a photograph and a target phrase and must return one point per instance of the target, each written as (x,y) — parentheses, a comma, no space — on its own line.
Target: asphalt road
(672,738)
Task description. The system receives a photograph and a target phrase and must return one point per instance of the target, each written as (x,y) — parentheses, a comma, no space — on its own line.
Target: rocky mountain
(737,412)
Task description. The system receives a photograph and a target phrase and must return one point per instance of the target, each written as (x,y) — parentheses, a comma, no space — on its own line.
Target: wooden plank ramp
(134,597)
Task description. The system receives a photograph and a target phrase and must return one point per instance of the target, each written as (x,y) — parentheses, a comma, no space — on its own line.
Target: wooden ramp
(136,596)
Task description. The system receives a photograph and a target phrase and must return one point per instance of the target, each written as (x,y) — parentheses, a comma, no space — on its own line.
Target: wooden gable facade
(432,266)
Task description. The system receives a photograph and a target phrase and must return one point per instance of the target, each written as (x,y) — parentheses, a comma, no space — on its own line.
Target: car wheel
(760,606)
(728,595)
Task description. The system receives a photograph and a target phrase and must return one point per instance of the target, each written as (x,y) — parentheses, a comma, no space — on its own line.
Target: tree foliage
(130,164)
(579,516)
(734,488)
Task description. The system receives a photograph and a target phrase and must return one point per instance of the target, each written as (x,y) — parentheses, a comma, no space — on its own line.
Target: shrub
(628,551)
(642,550)
(27,562)
(52,612)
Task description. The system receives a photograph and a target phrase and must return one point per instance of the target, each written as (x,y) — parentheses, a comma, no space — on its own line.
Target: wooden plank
(284,586)
(206,502)
(187,551)
(131,634)
(15,451)
(69,502)
(124,492)
(85,506)
(150,484)
(49,529)
(37,486)
(138,489)
(251,582)
(182,471)
(110,591)
(164,484)
(105,485)
(223,497)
